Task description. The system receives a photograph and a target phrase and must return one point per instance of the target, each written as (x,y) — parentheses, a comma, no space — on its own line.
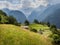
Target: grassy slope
(13,35)
(38,27)
(45,28)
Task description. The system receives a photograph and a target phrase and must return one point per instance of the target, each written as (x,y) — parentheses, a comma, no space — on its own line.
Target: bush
(34,30)
(41,31)
(3,19)
(55,35)
(48,24)
(26,22)
(52,26)
(53,29)
(12,20)
(42,23)
(0,19)
(18,24)
(56,39)
(36,21)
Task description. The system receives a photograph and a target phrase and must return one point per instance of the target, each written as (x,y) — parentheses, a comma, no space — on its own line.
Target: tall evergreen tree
(26,22)
(36,21)
(48,24)
(12,20)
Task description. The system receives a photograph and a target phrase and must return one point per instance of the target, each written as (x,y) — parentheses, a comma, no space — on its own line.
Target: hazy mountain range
(51,14)
(17,14)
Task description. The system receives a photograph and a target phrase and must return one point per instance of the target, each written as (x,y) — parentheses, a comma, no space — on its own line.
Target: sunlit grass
(39,26)
(14,35)
(45,29)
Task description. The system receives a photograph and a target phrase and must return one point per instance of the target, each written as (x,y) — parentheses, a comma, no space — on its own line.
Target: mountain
(17,14)
(27,11)
(51,14)
(54,18)
(49,10)
(36,13)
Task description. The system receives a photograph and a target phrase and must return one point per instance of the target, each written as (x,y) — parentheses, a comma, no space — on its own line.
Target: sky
(18,4)
(27,6)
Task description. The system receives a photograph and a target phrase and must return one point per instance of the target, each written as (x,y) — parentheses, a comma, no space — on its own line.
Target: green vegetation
(55,36)
(36,21)
(34,30)
(38,27)
(14,35)
(26,23)
(41,29)
(48,31)
(37,33)
(4,19)
(48,24)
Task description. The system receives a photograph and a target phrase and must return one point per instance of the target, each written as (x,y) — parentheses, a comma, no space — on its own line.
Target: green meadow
(39,26)
(15,35)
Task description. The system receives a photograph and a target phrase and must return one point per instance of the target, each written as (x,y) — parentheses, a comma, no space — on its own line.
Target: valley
(41,27)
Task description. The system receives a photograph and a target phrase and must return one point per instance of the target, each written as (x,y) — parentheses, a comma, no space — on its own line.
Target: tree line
(4,19)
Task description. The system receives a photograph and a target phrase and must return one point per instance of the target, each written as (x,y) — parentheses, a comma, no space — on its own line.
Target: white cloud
(6,4)
(37,3)
(29,5)
(18,4)
(52,2)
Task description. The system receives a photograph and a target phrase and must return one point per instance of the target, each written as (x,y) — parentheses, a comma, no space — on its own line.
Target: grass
(14,35)
(46,30)
(39,26)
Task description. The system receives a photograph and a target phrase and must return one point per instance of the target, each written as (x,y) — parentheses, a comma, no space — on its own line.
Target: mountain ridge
(17,14)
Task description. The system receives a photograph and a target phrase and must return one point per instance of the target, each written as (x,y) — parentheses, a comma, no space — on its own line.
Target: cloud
(40,2)
(34,3)
(53,2)
(17,4)
(6,4)
(29,5)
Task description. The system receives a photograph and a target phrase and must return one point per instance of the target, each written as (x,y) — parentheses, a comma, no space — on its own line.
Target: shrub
(56,39)
(3,19)
(42,23)
(48,24)
(41,31)
(55,35)
(18,24)
(53,29)
(34,30)
(52,26)
(36,21)
(12,20)
(26,22)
